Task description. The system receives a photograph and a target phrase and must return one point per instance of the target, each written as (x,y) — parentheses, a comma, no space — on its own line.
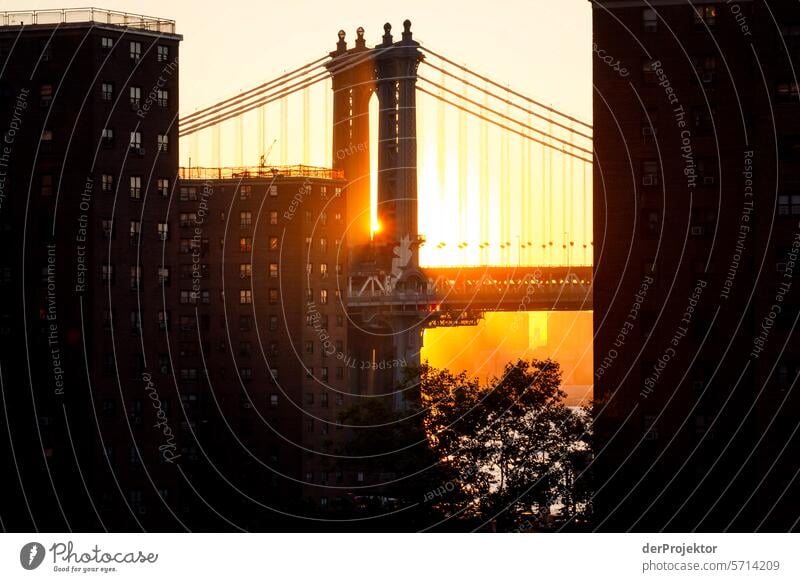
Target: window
(245,244)
(245,270)
(245,219)
(188,193)
(273,400)
(45,95)
(337,217)
(108,228)
(323,296)
(107,91)
(323,192)
(323,218)
(136,51)
(135,97)
(162,53)
(245,296)
(47,136)
(136,277)
(163,320)
(107,138)
(273,296)
(106,44)
(162,98)
(163,275)
(136,187)
(273,270)
(650,175)
(135,229)
(651,223)
(273,217)
(788,204)
(273,243)
(106,183)
(162,186)
(163,142)
(273,191)
(705,16)
(246,374)
(649,20)
(273,323)
(107,273)
(324,376)
(46,182)
(188,297)
(245,192)
(136,141)
(308,241)
(337,192)
(649,76)
(309,347)
(163,230)
(273,349)
(788,91)
(703,121)
(323,244)
(245,323)
(706,68)
(323,270)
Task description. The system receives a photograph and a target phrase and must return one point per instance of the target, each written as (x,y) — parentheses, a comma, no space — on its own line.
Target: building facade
(696,238)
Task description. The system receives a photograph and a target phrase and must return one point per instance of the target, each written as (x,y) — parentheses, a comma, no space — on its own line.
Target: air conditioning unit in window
(697,230)
(140,151)
(649,180)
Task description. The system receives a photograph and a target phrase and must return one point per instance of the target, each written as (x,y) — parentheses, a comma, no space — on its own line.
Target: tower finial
(360,42)
(406,29)
(341,46)
(387,33)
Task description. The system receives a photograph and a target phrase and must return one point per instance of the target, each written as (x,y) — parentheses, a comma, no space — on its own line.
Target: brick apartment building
(696,212)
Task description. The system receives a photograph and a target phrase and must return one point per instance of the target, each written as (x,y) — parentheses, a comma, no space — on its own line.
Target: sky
(233,45)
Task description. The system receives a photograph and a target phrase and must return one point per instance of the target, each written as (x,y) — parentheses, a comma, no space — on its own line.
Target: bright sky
(233,45)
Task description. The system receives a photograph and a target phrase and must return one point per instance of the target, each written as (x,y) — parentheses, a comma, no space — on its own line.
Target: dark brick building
(696,222)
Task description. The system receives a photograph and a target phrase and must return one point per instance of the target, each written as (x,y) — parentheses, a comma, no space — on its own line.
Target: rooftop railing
(299,171)
(76,15)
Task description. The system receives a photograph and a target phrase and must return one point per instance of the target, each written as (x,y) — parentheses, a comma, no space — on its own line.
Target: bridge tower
(353,80)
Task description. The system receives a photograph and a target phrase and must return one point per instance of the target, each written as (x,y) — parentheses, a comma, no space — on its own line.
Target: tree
(517,448)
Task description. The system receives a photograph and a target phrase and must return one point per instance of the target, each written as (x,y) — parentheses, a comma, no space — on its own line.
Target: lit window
(106,183)
(163,142)
(245,192)
(136,187)
(788,204)
(323,192)
(273,217)
(136,141)
(273,190)
(245,219)
(162,53)
(273,243)
(45,95)
(163,230)
(136,276)
(323,244)
(273,400)
(136,51)
(47,136)
(323,296)
(649,20)
(163,275)
(245,296)
(107,138)
(136,97)
(337,217)
(273,296)
(273,270)
(705,15)
(245,244)
(106,44)
(323,270)
(163,187)
(188,193)
(245,270)
(162,98)
(135,229)
(107,91)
